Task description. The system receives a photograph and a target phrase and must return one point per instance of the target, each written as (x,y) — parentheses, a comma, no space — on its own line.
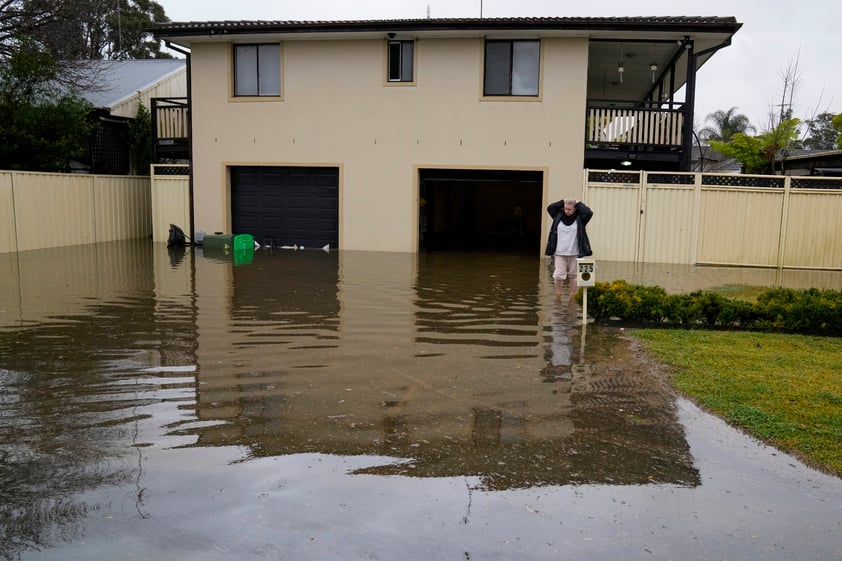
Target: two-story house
(406,135)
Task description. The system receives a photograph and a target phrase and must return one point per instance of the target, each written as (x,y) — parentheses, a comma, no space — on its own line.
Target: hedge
(809,311)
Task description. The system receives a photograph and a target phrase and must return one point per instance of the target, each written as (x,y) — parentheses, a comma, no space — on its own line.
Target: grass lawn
(784,389)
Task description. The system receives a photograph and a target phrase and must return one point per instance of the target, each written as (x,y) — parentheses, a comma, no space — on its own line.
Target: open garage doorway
(469,209)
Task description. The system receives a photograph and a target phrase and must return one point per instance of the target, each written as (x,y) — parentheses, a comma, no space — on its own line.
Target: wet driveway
(159,405)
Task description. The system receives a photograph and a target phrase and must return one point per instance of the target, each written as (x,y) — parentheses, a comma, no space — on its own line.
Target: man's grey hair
(571,202)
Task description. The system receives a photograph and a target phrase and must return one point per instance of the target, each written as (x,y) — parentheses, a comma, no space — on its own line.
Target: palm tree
(725,125)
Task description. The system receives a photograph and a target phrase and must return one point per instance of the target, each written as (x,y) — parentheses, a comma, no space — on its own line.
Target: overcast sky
(748,74)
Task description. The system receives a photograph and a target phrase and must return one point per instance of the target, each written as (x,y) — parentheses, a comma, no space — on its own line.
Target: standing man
(567,241)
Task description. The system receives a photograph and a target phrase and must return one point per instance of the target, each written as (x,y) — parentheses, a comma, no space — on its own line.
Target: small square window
(401,61)
(512,68)
(257,70)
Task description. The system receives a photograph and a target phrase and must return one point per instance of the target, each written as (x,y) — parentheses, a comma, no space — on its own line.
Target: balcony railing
(171,127)
(610,127)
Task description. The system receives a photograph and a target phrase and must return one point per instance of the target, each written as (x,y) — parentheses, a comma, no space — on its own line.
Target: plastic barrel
(218,241)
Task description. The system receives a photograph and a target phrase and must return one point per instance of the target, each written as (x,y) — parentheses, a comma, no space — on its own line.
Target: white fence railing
(654,127)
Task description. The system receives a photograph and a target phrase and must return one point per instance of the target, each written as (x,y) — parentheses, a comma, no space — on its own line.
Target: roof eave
(582,26)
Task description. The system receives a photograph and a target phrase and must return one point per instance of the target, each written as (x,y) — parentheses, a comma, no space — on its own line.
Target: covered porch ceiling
(621,72)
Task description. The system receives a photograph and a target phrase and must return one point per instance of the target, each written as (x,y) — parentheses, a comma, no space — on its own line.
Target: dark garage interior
(470,209)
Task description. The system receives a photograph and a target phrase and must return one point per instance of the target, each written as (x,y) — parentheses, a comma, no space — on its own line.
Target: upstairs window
(511,68)
(401,61)
(257,70)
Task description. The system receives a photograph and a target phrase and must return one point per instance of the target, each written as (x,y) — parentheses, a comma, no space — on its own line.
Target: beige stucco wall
(336,110)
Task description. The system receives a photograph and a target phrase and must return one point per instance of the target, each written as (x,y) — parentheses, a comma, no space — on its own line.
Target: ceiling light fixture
(620,68)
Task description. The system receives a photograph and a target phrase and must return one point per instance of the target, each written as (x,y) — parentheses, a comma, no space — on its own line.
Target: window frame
(273,83)
(401,79)
(511,69)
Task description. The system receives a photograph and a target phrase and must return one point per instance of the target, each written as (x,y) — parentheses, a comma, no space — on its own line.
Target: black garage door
(286,205)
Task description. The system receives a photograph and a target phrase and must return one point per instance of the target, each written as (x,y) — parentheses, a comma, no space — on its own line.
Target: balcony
(170,129)
(644,137)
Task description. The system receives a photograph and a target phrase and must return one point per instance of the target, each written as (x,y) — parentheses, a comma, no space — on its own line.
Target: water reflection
(437,365)
(73,381)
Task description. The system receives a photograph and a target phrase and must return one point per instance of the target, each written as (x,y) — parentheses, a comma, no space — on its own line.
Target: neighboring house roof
(709,160)
(795,162)
(121,80)
(813,162)
(794,155)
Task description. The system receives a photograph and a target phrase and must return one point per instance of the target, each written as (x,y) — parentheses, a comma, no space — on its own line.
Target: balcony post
(689,108)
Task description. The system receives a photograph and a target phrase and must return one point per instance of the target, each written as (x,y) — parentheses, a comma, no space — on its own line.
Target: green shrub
(779,309)
(625,301)
(802,311)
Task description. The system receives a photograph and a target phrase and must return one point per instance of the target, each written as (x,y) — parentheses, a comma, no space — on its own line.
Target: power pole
(119,30)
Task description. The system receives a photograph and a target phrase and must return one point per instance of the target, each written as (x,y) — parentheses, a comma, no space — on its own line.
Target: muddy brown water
(162,404)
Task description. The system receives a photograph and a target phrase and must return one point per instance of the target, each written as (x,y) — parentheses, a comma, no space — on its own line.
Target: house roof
(122,79)
(685,24)
(707,159)
(814,162)
(794,155)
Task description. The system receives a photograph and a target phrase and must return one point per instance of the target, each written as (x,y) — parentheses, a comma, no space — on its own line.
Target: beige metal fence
(691,218)
(170,200)
(647,217)
(41,210)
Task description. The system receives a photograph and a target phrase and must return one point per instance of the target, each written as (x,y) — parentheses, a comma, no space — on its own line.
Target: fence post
(697,211)
(640,233)
(585,185)
(784,220)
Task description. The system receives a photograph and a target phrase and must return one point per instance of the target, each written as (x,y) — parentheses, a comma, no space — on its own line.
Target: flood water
(162,404)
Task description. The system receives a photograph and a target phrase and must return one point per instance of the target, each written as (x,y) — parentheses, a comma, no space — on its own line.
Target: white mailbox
(587,271)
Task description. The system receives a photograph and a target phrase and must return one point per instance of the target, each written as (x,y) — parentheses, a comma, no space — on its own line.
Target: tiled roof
(806,154)
(700,23)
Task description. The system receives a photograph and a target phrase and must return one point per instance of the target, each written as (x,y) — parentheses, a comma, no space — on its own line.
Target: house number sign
(587,272)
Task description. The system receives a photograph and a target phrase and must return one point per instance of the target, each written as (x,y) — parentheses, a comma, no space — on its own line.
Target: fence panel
(123,208)
(170,200)
(53,210)
(8,232)
(615,199)
(814,230)
(668,223)
(739,227)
